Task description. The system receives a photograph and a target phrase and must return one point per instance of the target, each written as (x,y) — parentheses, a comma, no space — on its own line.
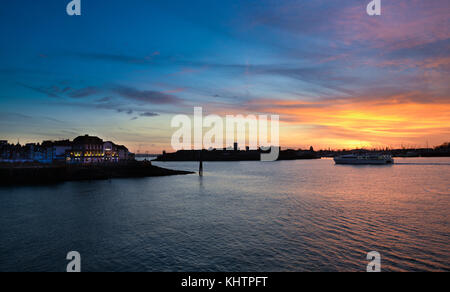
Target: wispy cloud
(83,92)
(149,114)
(50,91)
(119,58)
(146,96)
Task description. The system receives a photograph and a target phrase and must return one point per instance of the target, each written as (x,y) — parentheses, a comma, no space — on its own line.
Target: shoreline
(284,159)
(35,174)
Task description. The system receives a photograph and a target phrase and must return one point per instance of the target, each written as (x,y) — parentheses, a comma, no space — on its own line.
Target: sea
(285,216)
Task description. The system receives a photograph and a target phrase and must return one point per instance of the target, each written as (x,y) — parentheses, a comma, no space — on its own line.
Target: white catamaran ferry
(364,159)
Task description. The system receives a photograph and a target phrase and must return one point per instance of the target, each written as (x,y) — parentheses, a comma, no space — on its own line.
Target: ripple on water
(284,216)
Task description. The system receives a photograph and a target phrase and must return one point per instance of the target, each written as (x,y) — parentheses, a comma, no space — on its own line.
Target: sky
(337,77)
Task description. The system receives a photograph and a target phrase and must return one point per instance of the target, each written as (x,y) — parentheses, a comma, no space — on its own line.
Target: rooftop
(86,139)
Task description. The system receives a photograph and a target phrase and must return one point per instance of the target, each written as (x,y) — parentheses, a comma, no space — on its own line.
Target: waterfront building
(52,151)
(124,154)
(110,152)
(60,150)
(116,153)
(3,149)
(86,149)
(29,151)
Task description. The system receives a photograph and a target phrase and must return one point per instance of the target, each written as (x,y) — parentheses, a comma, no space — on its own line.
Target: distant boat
(372,159)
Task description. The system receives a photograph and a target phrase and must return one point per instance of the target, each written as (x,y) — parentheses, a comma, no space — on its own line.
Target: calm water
(247,216)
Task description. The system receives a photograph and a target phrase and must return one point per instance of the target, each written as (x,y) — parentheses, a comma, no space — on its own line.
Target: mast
(200,171)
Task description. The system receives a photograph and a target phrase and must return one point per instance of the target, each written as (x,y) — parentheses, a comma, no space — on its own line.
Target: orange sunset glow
(366,124)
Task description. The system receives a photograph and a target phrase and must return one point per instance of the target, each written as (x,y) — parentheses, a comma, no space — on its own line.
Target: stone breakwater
(22,174)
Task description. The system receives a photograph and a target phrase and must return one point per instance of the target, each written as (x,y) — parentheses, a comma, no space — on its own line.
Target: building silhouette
(82,150)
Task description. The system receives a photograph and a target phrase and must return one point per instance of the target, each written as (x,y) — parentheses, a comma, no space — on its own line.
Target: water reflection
(241,216)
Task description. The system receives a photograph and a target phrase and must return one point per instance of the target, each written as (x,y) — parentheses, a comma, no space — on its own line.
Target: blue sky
(124,68)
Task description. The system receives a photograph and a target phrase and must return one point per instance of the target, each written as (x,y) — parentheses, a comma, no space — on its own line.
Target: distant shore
(234,155)
(290,154)
(34,174)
